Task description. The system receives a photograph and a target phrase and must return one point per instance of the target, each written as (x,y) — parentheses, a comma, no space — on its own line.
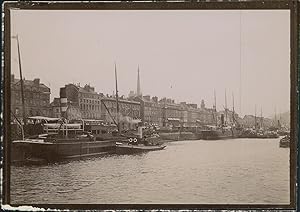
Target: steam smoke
(128,119)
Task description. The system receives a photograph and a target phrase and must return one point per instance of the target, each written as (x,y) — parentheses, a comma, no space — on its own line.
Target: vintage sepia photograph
(150,106)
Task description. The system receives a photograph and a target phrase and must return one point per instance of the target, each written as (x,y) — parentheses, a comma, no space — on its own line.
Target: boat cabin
(100,129)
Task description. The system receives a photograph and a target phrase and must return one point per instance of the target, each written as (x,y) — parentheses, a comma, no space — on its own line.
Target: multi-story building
(151,110)
(167,113)
(85,99)
(129,112)
(193,116)
(36,98)
(172,114)
(55,110)
(207,116)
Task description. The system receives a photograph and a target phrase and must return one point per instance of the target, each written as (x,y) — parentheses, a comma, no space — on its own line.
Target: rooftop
(29,83)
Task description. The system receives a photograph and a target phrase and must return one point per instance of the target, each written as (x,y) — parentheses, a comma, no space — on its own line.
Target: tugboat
(140,144)
(135,144)
(285,142)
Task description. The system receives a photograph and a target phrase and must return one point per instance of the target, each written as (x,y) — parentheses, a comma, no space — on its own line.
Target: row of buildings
(85,103)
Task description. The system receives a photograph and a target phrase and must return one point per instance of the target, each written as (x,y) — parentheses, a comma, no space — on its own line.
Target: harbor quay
(84,103)
(81,122)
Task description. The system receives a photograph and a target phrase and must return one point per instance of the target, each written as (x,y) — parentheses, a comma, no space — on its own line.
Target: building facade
(172,113)
(85,102)
(129,112)
(166,113)
(150,110)
(55,110)
(36,98)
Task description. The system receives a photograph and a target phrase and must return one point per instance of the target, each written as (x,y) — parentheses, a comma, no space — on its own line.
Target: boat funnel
(63,102)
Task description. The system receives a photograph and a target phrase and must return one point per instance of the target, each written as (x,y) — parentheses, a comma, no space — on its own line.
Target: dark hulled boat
(140,142)
(69,141)
(52,149)
(126,148)
(285,142)
(216,133)
(252,133)
(222,129)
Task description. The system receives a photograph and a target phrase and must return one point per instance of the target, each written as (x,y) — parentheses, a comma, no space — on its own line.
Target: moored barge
(62,141)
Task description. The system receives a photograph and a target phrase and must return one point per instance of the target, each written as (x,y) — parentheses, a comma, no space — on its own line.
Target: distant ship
(255,133)
(258,131)
(222,132)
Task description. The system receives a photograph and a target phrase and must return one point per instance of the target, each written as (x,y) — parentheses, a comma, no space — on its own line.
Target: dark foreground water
(231,171)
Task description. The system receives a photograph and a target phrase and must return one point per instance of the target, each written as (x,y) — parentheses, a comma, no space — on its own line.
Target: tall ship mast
(233,113)
(261,118)
(275,121)
(22,84)
(215,108)
(279,121)
(117,99)
(255,118)
(225,109)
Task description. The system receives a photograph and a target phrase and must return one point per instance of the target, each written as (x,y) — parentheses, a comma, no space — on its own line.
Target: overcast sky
(184,54)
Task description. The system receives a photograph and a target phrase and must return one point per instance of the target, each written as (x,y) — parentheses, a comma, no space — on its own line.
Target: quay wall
(176,136)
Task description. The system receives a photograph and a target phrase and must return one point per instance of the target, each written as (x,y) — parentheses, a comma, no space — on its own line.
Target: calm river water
(226,171)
